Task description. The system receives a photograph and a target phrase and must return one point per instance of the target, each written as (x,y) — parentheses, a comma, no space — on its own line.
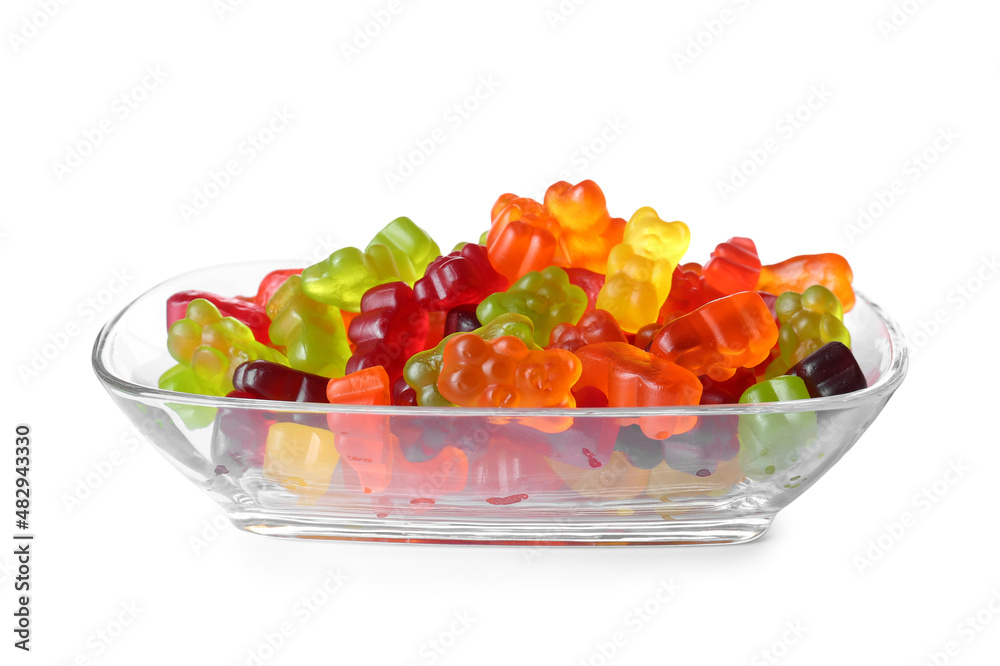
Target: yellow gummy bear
(640,268)
(301,458)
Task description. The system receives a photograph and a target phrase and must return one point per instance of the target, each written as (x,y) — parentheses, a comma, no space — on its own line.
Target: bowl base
(654,531)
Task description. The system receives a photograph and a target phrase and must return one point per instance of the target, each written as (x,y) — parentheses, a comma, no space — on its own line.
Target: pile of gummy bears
(559,305)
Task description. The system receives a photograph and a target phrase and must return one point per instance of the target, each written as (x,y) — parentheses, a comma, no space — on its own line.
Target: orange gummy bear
(573,229)
(799,273)
(631,377)
(505,373)
(720,336)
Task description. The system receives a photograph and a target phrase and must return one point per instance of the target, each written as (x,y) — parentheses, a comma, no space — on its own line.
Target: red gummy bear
(589,281)
(459,278)
(391,328)
(251,314)
(734,267)
(594,326)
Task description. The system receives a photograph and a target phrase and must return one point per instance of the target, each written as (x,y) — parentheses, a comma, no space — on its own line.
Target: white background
(859,589)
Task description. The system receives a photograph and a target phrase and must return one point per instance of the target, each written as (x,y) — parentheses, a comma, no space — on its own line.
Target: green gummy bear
(311,332)
(546,297)
(770,443)
(422,369)
(212,346)
(182,379)
(411,247)
(808,321)
(399,252)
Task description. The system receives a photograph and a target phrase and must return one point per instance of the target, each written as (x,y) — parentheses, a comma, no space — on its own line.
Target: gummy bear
(265,380)
(311,332)
(212,346)
(462,319)
(640,268)
(589,281)
(587,230)
(808,321)
(301,458)
(830,370)
(342,278)
(270,284)
(421,371)
(411,246)
(771,442)
(734,266)
(594,326)
(522,236)
(460,278)
(504,372)
(631,377)
(688,292)
(391,328)
(249,313)
(719,337)
(547,298)
(799,273)
(572,229)
(364,440)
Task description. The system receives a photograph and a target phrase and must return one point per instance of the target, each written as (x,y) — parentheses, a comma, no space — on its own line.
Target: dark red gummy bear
(459,278)
(830,370)
(391,328)
(589,281)
(462,319)
(265,380)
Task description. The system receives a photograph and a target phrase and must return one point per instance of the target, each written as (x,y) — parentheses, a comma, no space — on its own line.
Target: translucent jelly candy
(270,284)
(364,440)
(412,247)
(400,252)
(300,458)
(799,273)
(265,380)
(547,298)
(587,230)
(572,229)
(311,332)
(251,314)
(422,370)
(808,321)
(391,328)
(733,267)
(640,268)
(211,346)
(522,236)
(504,372)
(594,326)
(688,292)
(589,281)
(770,443)
(462,319)
(460,278)
(631,377)
(830,370)
(719,337)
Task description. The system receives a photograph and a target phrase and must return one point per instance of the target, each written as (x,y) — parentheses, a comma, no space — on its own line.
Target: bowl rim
(887,383)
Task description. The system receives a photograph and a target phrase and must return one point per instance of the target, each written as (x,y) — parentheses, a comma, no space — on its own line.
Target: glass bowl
(462,475)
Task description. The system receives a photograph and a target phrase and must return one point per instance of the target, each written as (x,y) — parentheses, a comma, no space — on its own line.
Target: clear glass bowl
(459,475)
